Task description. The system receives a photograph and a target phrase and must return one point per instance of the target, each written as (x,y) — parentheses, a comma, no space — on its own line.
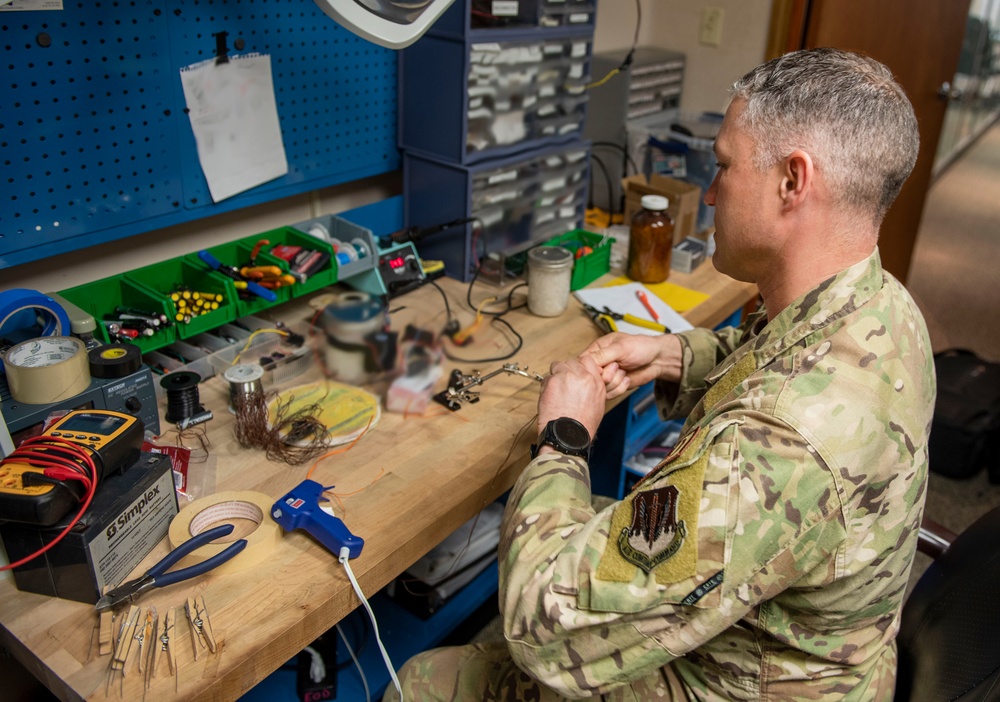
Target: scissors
(157,576)
(606,320)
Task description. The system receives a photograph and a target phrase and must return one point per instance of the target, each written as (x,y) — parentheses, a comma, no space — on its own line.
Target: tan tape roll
(47,369)
(247,511)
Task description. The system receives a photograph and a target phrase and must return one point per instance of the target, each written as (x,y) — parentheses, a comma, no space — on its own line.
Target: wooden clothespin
(201,625)
(123,644)
(146,638)
(106,633)
(165,645)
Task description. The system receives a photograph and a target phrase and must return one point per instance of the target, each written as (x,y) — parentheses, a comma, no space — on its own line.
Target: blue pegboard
(94,139)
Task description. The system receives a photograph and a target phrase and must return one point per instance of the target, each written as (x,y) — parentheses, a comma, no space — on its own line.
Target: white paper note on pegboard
(235,121)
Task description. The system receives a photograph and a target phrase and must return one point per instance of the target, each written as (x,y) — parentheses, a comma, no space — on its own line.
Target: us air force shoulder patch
(655,528)
(655,534)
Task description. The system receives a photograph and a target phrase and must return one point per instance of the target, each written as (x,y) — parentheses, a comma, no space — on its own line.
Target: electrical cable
(345,555)
(607,181)
(628,57)
(361,672)
(627,157)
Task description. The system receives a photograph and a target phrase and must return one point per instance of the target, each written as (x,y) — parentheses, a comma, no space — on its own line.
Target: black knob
(133,405)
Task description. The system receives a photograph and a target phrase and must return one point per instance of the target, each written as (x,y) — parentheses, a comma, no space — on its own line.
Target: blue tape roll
(29,307)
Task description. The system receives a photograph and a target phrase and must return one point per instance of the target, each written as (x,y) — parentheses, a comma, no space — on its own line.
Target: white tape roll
(47,369)
(248,511)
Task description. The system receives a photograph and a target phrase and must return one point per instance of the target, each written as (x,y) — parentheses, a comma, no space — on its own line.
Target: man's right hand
(630,360)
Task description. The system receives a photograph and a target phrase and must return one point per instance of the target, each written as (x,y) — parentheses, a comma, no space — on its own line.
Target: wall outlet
(710,32)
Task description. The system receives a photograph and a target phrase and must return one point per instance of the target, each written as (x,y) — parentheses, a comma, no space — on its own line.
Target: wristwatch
(565,435)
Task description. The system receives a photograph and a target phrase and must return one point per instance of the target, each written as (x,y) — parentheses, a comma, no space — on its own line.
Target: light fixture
(394,24)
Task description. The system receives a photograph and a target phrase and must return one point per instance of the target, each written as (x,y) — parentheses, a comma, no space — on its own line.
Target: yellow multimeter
(113,440)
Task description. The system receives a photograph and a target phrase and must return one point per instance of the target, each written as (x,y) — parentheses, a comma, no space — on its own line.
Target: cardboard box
(684,199)
(688,255)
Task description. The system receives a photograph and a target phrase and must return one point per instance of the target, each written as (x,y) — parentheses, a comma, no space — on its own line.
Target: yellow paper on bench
(680,298)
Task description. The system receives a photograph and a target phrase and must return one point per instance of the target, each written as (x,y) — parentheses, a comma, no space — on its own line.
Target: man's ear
(797,174)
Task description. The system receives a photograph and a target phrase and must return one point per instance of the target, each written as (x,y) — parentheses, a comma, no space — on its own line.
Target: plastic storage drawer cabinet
(516,203)
(467,103)
(102,297)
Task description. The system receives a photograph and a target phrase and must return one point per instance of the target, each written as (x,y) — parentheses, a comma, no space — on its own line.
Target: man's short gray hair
(843,109)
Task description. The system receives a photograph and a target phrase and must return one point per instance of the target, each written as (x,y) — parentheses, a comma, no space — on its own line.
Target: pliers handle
(157,576)
(606,320)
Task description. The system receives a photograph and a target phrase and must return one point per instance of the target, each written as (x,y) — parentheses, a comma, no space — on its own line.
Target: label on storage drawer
(579,17)
(505,8)
(502,177)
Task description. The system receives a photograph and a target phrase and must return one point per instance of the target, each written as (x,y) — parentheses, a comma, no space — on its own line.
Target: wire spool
(114,360)
(244,382)
(47,369)
(183,401)
(319,231)
(361,247)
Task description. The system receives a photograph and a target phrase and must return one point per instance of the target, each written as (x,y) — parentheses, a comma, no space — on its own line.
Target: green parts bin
(164,278)
(589,267)
(101,299)
(237,254)
(292,239)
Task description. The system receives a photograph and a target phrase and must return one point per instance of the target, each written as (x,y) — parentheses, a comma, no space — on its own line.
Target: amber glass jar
(651,241)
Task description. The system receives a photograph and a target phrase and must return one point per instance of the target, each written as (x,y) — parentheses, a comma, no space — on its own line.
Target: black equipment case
(965,434)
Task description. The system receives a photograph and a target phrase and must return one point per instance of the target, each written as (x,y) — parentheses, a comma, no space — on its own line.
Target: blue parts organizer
(94,139)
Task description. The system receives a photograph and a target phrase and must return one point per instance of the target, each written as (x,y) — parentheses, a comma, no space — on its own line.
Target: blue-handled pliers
(157,576)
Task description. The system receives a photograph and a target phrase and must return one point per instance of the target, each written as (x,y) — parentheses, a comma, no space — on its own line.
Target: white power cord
(357,663)
(317,669)
(345,555)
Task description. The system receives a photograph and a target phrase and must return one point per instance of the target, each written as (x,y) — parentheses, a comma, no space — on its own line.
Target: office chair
(949,639)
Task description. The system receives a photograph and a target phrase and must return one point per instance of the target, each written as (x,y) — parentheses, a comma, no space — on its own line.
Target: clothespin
(124,643)
(165,645)
(106,633)
(201,626)
(145,638)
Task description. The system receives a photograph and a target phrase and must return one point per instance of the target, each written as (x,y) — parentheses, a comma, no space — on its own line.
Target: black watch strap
(565,435)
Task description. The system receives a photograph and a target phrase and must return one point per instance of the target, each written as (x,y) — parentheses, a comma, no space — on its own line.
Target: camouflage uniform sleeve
(702,351)
(588,609)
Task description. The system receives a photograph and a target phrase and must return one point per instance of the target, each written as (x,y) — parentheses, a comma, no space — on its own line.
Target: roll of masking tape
(247,511)
(47,369)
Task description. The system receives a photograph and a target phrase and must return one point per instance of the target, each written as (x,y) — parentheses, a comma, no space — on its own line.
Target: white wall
(669,24)
(673,24)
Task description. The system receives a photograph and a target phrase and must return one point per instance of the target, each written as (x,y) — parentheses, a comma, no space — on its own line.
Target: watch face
(571,434)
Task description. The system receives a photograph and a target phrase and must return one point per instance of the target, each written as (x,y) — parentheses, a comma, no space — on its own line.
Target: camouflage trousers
(486,673)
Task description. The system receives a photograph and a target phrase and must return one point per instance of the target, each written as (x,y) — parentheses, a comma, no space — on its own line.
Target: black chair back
(949,639)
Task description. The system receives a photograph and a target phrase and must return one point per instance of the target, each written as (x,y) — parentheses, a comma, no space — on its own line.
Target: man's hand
(574,389)
(630,360)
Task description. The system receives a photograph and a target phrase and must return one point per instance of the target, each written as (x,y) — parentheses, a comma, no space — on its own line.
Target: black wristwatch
(565,435)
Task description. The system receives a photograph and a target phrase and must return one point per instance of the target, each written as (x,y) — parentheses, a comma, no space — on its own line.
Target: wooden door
(920,41)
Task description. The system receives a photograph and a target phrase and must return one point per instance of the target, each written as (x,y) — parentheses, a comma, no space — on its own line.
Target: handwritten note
(235,121)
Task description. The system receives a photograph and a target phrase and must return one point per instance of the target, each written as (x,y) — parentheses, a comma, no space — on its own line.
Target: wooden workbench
(437,471)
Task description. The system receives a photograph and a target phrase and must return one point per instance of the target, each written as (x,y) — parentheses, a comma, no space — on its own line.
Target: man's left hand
(574,389)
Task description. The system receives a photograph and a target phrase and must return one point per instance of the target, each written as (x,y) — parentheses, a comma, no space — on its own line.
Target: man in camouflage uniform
(767,557)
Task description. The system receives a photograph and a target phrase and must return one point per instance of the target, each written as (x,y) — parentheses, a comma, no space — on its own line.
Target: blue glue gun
(300,509)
